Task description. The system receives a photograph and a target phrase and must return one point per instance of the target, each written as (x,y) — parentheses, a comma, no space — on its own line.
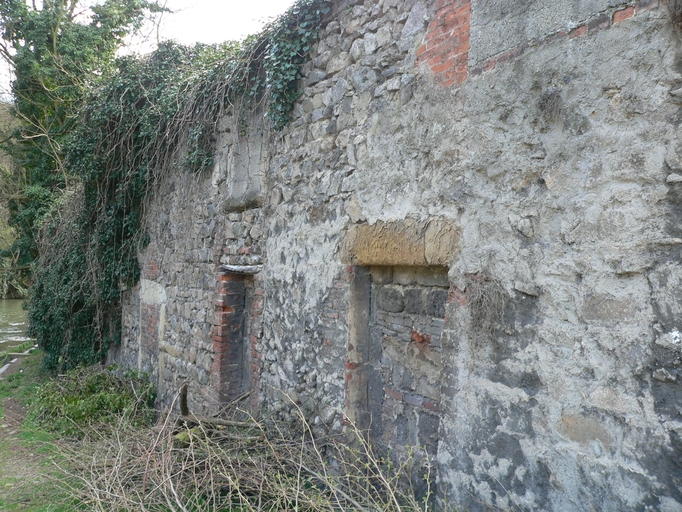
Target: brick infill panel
(445,49)
(228,329)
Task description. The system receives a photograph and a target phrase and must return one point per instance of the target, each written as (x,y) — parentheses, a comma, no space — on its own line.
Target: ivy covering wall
(146,117)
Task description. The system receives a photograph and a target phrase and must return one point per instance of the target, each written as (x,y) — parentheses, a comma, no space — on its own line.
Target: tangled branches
(487,302)
(675,8)
(201,466)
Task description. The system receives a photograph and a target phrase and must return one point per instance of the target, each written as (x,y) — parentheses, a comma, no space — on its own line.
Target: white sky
(205,21)
(215,21)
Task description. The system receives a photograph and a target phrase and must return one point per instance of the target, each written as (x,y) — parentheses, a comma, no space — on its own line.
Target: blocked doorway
(395,360)
(234,369)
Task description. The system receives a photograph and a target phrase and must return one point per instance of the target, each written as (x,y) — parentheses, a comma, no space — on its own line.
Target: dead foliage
(549,105)
(486,302)
(237,464)
(675,8)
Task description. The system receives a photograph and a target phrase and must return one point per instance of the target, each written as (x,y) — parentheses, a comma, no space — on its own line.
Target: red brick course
(228,334)
(456,296)
(623,14)
(577,32)
(150,269)
(445,50)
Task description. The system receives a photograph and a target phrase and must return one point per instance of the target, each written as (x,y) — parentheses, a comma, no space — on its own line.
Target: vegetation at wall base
(93,399)
(247,465)
(89,433)
(27,472)
(144,116)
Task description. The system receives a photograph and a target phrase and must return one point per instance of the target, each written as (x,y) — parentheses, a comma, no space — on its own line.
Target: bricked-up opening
(394,364)
(149,337)
(231,369)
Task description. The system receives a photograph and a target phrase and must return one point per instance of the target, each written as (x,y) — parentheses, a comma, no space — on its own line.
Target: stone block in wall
(405,243)
(241,161)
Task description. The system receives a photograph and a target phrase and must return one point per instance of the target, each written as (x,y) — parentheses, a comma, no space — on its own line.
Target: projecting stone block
(240,162)
(606,308)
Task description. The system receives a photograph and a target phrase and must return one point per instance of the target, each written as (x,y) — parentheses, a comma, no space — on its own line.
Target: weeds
(107,459)
(675,8)
(93,399)
(21,385)
(549,105)
(487,302)
(26,451)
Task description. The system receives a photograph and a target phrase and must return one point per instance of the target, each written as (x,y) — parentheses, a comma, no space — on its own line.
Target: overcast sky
(205,21)
(214,21)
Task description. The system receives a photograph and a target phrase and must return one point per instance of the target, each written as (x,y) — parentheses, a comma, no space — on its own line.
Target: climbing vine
(147,116)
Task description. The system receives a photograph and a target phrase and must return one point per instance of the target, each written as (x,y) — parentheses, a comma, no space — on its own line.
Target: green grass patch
(93,399)
(17,494)
(24,384)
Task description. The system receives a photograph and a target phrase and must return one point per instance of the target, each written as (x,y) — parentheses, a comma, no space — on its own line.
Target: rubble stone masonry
(467,239)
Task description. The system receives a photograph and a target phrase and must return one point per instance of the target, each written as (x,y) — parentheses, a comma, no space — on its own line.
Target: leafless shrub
(208,464)
(486,302)
(549,105)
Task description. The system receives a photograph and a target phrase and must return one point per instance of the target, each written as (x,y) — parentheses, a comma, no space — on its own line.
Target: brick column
(236,361)
(228,337)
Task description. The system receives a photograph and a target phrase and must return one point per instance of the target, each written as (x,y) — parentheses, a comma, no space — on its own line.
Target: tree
(57,49)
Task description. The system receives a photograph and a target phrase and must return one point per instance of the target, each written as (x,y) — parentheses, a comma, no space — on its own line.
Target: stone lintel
(244,270)
(402,243)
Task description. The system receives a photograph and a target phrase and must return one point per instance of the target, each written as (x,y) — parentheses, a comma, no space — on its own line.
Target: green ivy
(147,116)
(289,43)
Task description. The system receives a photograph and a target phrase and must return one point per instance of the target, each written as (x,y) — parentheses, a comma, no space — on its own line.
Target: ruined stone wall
(531,150)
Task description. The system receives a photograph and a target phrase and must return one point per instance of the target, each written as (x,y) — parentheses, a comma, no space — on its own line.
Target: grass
(27,472)
(22,386)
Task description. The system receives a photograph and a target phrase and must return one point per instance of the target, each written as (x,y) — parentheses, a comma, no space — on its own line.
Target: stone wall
(530,149)
(407,307)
